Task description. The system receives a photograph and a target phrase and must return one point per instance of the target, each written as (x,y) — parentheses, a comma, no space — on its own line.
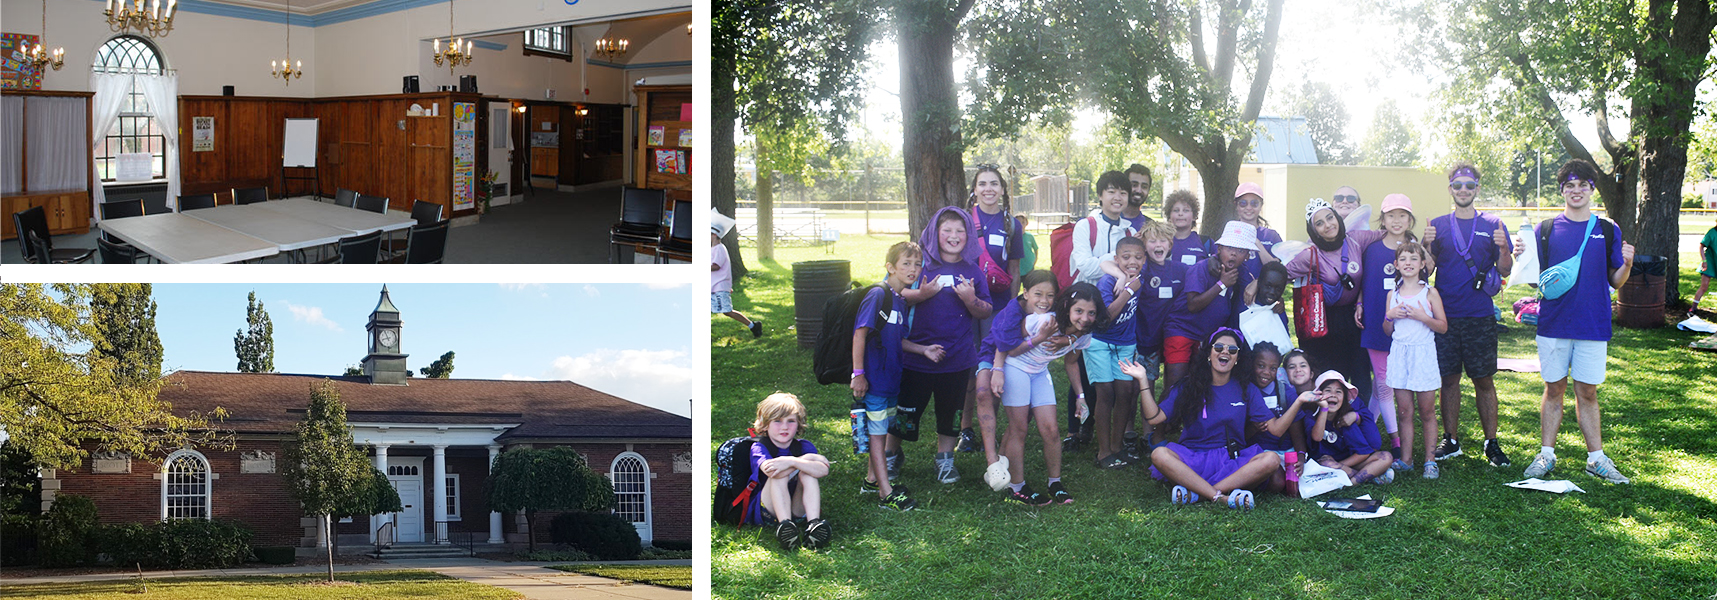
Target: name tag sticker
(1189,259)
(945,280)
(1165,292)
(997,239)
(894,318)
(1389,284)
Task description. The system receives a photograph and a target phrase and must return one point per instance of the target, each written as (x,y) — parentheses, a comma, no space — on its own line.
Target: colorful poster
(14,74)
(657,134)
(464,155)
(202,134)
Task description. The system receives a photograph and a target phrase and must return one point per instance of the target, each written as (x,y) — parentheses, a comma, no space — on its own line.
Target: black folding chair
(640,221)
(196,201)
(250,195)
(678,244)
(425,213)
(119,209)
(346,198)
(363,249)
(116,253)
(33,221)
(375,204)
(427,244)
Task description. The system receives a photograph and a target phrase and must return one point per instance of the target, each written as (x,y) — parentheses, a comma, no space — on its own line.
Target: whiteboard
(300,143)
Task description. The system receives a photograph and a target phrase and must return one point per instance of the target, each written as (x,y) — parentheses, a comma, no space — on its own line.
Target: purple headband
(1220,330)
(1464,172)
(1574,176)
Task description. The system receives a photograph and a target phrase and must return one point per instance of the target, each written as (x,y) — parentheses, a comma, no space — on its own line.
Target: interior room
(345,131)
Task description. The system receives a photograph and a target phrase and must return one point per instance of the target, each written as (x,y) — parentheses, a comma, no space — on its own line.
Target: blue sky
(629,340)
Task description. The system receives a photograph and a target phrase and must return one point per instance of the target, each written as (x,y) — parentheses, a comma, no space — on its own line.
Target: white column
(376,521)
(439,495)
(494,517)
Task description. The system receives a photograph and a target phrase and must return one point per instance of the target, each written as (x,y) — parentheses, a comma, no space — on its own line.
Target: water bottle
(861,430)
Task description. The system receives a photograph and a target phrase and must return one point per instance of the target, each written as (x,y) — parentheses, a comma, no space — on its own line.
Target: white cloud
(311,315)
(666,285)
(661,379)
(512,377)
(590,290)
(519,287)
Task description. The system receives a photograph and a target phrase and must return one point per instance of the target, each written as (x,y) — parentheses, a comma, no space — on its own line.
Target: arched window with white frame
(136,131)
(630,474)
(186,486)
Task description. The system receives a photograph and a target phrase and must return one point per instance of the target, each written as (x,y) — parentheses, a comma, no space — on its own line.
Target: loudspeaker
(410,85)
(226,90)
(468,84)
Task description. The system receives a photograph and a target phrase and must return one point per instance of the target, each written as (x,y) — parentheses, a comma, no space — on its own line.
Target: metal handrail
(385,535)
(462,540)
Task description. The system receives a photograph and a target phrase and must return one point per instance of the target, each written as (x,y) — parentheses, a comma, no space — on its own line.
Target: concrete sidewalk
(533,579)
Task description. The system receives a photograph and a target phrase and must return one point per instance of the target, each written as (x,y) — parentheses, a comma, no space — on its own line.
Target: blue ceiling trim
(488,45)
(362,11)
(654,65)
(380,7)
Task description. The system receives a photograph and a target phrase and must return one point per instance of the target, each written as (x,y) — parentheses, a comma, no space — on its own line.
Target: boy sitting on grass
(789,468)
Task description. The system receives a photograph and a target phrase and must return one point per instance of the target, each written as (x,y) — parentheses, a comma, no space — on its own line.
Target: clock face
(387,337)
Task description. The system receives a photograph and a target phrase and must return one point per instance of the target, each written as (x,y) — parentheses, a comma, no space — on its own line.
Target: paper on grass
(1557,486)
(1697,324)
(1317,479)
(1382,511)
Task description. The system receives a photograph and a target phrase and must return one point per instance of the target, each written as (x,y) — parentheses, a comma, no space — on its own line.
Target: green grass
(373,584)
(1463,536)
(674,576)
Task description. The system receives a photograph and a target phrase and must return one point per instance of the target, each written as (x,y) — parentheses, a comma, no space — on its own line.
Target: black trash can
(814,283)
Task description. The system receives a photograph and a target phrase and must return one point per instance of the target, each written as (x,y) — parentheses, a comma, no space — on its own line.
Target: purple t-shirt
(943,319)
(1230,407)
(1253,264)
(1137,222)
(883,352)
(1122,330)
(1163,286)
(1222,309)
(1000,236)
(1359,438)
(1583,313)
(1005,331)
(1454,279)
(1379,270)
(1190,250)
(1276,399)
(764,450)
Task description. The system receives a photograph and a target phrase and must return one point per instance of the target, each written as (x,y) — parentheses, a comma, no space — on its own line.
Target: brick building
(418,431)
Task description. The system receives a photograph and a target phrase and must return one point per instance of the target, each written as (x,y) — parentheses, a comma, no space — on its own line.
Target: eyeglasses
(1349,199)
(1248,202)
(1463,185)
(1221,348)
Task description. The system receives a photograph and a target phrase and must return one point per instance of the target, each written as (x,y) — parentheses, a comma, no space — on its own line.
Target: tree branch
(1527,80)
(1196,38)
(1227,44)
(1606,138)
(1266,64)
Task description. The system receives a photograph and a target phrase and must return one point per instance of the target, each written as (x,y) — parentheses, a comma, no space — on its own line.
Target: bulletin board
(14,75)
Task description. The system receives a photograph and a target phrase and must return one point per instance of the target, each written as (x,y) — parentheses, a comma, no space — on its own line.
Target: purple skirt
(1211,465)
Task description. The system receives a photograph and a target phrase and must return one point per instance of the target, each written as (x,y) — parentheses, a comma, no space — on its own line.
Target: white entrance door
(408,523)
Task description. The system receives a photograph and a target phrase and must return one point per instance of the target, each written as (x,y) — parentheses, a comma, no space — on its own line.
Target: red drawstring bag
(1311,319)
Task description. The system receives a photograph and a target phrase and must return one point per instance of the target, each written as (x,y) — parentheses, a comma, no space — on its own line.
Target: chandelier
(40,57)
(123,15)
(285,70)
(611,48)
(458,53)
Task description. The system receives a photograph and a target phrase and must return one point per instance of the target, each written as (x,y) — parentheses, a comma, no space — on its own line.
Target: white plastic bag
(1262,324)
(1317,480)
(1525,270)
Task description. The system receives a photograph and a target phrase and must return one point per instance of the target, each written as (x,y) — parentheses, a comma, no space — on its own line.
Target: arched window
(185,489)
(136,131)
(631,478)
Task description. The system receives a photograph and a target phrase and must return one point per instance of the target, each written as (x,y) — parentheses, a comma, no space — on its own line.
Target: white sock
(1546,451)
(1054,480)
(1017,486)
(1594,456)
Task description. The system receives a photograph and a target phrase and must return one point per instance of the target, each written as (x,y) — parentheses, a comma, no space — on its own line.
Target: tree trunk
(1220,177)
(530,532)
(722,153)
(765,209)
(935,169)
(1686,40)
(328,524)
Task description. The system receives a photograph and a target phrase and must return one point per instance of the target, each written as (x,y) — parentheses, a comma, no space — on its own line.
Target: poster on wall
(14,74)
(464,155)
(202,134)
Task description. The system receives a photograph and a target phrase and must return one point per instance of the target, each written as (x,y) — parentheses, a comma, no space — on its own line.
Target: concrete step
(420,551)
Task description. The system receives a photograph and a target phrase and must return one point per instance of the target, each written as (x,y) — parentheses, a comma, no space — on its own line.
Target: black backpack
(735,483)
(832,358)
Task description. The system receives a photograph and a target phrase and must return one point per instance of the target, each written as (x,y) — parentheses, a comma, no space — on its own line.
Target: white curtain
(11,146)
(110,91)
(162,93)
(55,132)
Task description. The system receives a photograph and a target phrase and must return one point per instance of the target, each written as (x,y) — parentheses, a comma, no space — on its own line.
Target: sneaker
(997,474)
(1493,451)
(788,533)
(1027,497)
(1605,469)
(1113,461)
(869,487)
(1431,470)
(1386,478)
(1540,466)
(1448,449)
(945,471)
(892,463)
(1070,443)
(899,500)
(1181,495)
(969,441)
(1058,494)
(756,329)
(817,534)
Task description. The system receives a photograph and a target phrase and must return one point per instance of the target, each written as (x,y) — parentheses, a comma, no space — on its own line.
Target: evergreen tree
(442,368)
(124,316)
(255,344)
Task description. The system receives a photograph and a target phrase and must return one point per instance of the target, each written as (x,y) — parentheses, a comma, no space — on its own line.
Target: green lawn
(373,584)
(674,576)
(1463,536)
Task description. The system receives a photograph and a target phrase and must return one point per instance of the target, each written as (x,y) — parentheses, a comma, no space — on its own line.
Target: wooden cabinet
(68,210)
(545,162)
(659,106)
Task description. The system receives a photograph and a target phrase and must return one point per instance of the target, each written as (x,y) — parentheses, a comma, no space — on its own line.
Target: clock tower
(385,365)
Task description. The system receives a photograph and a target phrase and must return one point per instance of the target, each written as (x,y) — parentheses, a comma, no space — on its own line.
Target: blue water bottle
(861,429)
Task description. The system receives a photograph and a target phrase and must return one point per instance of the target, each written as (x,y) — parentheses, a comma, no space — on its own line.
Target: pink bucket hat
(1248,188)
(1397,202)
(1239,235)
(1328,376)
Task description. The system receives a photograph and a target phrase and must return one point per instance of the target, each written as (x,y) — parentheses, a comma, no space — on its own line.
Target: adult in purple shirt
(1397,222)
(1468,245)
(1218,409)
(1336,257)
(1574,328)
(1248,209)
(1139,177)
(950,296)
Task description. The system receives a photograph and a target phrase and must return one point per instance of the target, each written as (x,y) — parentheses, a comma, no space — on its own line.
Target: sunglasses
(983,166)
(1248,202)
(1468,185)
(1351,199)
(1222,348)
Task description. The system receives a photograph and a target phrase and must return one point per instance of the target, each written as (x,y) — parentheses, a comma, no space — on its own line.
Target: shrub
(179,544)
(605,535)
(672,544)
(65,538)
(276,555)
(567,555)
(654,553)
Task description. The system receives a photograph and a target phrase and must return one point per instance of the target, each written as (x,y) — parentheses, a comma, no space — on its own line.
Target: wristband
(1223,286)
(858,372)
(1082,396)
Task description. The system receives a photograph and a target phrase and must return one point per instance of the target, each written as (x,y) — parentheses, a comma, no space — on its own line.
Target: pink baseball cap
(1249,188)
(1397,201)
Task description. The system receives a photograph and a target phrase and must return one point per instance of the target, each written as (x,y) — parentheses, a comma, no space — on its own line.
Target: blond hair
(779,405)
(1157,228)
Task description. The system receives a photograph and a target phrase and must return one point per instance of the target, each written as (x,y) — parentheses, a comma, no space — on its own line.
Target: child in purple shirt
(951,294)
(788,468)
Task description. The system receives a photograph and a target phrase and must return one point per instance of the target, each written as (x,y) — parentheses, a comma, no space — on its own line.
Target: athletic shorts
(1027,389)
(949,390)
(1101,360)
(720,302)
(1178,350)
(1152,361)
(1470,342)
(879,413)
(1584,360)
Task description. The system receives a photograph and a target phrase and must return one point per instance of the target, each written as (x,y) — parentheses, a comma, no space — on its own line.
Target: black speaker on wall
(410,84)
(468,84)
(226,90)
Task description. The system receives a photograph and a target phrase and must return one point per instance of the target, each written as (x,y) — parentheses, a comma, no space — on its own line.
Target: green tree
(61,397)
(1389,141)
(1327,119)
(1530,65)
(554,478)
(442,368)
(255,343)
(325,471)
(125,317)
(924,33)
(353,371)
(1148,65)
(20,504)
